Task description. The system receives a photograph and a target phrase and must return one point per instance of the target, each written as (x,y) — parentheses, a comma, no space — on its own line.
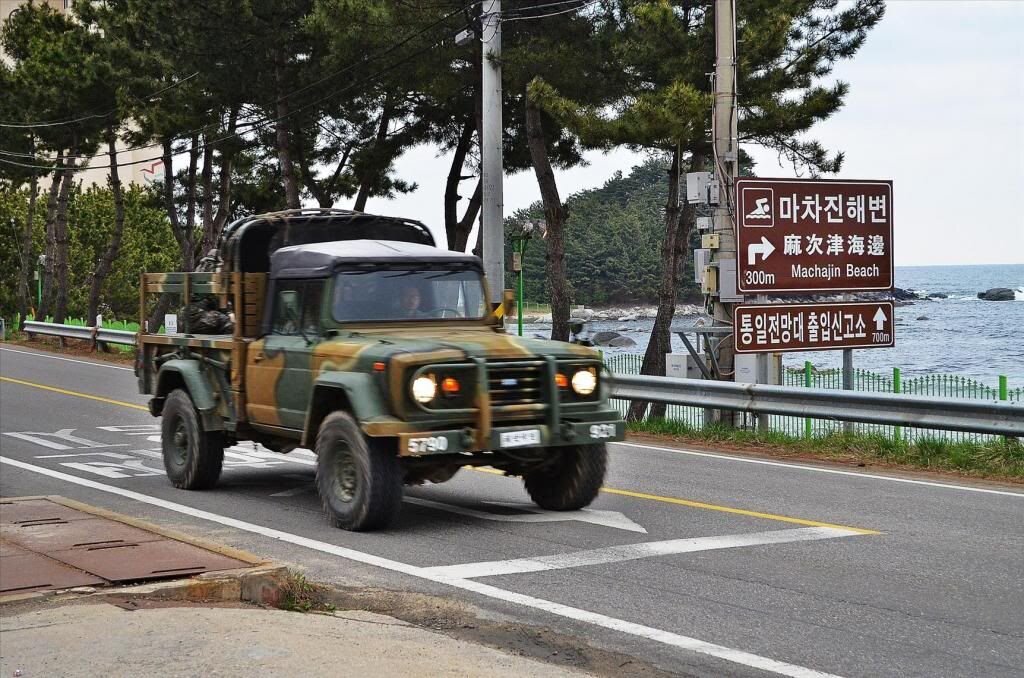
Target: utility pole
(492,227)
(726,167)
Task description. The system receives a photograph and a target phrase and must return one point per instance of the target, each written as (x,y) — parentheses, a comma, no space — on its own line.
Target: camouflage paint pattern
(277,383)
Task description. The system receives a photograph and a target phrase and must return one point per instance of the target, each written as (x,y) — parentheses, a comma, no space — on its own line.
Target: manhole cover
(33,572)
(147,560)
(61,535)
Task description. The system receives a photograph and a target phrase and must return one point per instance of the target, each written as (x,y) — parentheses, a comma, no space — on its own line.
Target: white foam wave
(1018,294)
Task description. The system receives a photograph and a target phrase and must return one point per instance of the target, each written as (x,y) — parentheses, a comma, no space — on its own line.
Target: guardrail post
(897,387)
(807,383)
(1004,395)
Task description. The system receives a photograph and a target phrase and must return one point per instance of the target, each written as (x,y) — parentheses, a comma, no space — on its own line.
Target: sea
(960,335)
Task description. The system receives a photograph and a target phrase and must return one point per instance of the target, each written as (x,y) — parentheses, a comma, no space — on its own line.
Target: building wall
(145,172)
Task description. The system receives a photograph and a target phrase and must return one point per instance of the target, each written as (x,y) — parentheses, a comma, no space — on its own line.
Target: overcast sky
(936,104)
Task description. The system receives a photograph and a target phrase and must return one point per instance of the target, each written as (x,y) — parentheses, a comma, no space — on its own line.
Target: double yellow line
(607,490)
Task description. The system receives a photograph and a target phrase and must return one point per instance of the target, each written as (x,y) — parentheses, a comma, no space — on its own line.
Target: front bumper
(512,437)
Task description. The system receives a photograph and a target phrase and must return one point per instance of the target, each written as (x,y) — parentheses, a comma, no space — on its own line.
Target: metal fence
(939,385)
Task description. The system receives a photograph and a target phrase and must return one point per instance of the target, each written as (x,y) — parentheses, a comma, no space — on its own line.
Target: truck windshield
(401,294)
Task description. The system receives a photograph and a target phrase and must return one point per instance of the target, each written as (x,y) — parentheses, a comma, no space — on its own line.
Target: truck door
(278,371)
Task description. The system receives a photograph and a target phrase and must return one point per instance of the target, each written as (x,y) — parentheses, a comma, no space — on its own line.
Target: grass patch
(301,595)
(1000,458)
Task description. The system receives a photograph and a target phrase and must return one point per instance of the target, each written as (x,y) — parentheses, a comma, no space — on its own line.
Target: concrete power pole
(492,227)
(726,154)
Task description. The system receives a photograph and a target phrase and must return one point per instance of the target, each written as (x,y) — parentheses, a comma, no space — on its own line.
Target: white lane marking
(68,360)
(536,515)
(855,474)
(624,552)
(576,614)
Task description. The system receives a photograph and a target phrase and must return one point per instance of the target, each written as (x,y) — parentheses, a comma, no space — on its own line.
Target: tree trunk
(227,160)
(106,262)
(206,181)
(181,234)
(27,264)
(678,222)
(372,170)
(457,229)
(61,242)
(284,153)
(50,245)
(555,215)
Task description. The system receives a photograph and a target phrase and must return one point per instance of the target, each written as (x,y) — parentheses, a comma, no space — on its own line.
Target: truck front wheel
(193,456)
(572,481)
(360,484)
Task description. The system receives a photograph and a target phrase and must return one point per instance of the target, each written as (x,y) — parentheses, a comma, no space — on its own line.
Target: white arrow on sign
(765,248)
(533,514)
(880,318)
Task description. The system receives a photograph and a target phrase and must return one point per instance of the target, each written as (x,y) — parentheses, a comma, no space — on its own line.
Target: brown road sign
(809,235)
(772,328)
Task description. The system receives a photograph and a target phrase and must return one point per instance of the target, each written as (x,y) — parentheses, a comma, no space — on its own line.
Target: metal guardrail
(96,335)
(952,414)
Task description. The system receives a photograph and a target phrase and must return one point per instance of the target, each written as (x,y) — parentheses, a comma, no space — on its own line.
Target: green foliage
(999,458)
(148,245)
(613,241)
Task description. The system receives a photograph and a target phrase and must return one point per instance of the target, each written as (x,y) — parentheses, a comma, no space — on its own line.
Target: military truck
(356,337)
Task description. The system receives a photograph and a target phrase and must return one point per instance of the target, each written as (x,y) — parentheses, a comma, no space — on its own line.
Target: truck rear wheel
(360,484)
(193,457)
(572,481)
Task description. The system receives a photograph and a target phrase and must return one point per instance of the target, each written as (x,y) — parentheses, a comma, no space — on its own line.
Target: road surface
(701,564)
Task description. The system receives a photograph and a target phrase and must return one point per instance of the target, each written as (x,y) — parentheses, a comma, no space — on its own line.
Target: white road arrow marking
(625,552)
(764,248)
(880,318)
(612,519)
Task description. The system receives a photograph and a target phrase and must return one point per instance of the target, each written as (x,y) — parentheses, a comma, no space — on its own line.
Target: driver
(409,302)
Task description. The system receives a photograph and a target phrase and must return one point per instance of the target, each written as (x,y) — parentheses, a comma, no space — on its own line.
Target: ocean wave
(1018,294)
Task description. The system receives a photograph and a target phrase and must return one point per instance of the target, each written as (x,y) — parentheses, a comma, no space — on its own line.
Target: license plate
(519,438)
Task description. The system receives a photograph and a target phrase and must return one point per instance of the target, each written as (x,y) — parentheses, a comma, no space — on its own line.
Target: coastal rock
(923,317)
(997,294)
(621,342)
(627,318)
(938,295)
(605,338)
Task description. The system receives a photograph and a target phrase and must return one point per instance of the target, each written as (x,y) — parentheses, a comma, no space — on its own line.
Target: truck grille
(516,384)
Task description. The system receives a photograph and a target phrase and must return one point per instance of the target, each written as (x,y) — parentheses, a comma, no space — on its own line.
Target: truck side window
(297,307)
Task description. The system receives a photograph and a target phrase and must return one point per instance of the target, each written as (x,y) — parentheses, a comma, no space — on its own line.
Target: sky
(936,104)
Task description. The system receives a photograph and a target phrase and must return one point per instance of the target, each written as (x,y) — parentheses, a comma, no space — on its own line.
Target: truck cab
(381,355)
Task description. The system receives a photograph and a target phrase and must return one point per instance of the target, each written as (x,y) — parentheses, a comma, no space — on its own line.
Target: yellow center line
(62,391)
(607,490)
(714,507)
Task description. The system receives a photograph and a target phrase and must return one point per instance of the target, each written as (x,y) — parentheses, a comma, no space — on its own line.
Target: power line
(92,116)
(255,125)
(363,62)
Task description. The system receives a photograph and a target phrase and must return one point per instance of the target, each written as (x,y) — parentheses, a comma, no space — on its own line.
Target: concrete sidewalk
(102,639)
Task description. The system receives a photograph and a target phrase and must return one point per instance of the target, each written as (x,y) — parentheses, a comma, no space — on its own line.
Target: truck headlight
(584,382)
(424,388)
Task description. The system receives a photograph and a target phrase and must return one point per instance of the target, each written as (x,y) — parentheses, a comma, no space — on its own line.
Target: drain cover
(33,572)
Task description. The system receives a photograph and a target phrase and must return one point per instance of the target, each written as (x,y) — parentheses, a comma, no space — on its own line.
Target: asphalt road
(701,564)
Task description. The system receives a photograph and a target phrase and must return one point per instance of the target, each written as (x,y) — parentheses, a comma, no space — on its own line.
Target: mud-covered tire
(572,481)
(193,456)
(360,484)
